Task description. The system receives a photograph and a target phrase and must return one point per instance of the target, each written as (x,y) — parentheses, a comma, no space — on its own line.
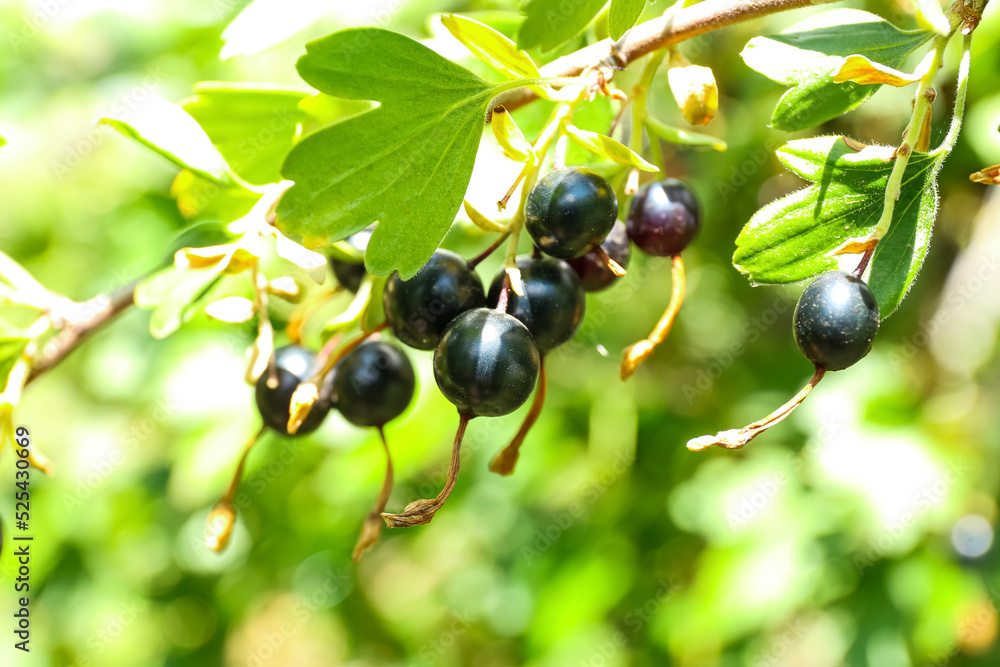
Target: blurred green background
(856,533)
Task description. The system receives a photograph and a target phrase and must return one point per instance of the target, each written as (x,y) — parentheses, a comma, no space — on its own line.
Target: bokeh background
(859,532)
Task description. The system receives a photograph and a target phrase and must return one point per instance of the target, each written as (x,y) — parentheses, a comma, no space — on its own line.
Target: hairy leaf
(252,125)
(549,23)
(807,55)
(796,237)
(173,133)
(623,15)
(406,164)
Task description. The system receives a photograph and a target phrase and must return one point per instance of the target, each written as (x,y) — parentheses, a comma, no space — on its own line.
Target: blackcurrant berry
(593,271)
(348,273)
(570,211)
(486,363)
(553,302)
(293,365)
(835,320)
(664,217)
(419,309)
(373,384)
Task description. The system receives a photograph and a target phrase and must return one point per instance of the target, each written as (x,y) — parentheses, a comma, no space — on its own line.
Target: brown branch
(653,35)
(100,311)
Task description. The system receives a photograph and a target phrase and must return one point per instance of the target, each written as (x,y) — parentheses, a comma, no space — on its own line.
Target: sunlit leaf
(862,70)
(200,198)
(231,309)
(608,148)
(313,263)
(264,24)
(405,164)
(930,15)
(623,15)
(252,125)
(169,294)
(492,47)
(170,131)
(807,55)
(510,137)
(676,135)
(549,23)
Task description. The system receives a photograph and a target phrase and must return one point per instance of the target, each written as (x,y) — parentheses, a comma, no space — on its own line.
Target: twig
(105,307)
(653,35)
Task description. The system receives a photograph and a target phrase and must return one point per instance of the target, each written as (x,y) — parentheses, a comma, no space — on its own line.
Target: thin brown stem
(639,352)
(654,35)
(738,438)
(371,530)
(475,261)
(222,518)
(506,459)
(422,511)
(105,309)
(307,393)
(615,267)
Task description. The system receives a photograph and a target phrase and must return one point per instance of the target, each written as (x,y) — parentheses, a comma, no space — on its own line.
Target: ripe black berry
(553,302)
(664,217)
(293,365)
(570,211)
(486,363)
(835,320)
(593,271)
(373,384)
(419,309)
(348,273)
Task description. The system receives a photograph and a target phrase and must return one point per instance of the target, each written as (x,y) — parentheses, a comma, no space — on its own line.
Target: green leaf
(492,47)
(676,135)
(171,294)
(11,348)
(252,125)
(807,55)
(374,312)
(549,23)
(264,24)
(3,142)
(406,164)
(931,16)
(608,148)
(796,237)
(201,199)
(623,15)
(173,133)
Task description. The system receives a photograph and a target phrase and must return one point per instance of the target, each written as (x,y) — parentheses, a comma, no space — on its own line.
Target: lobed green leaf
(406,164)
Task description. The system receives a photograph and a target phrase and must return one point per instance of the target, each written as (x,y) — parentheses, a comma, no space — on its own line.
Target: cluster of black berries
(489,346)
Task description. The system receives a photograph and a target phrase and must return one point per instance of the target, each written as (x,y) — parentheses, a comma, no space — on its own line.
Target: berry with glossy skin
(348,273)
(486,363)
(570,211)
(373,384)
(835,320)
(553,303)
(293,365)
(419,309)
(664,217)
(593,271)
